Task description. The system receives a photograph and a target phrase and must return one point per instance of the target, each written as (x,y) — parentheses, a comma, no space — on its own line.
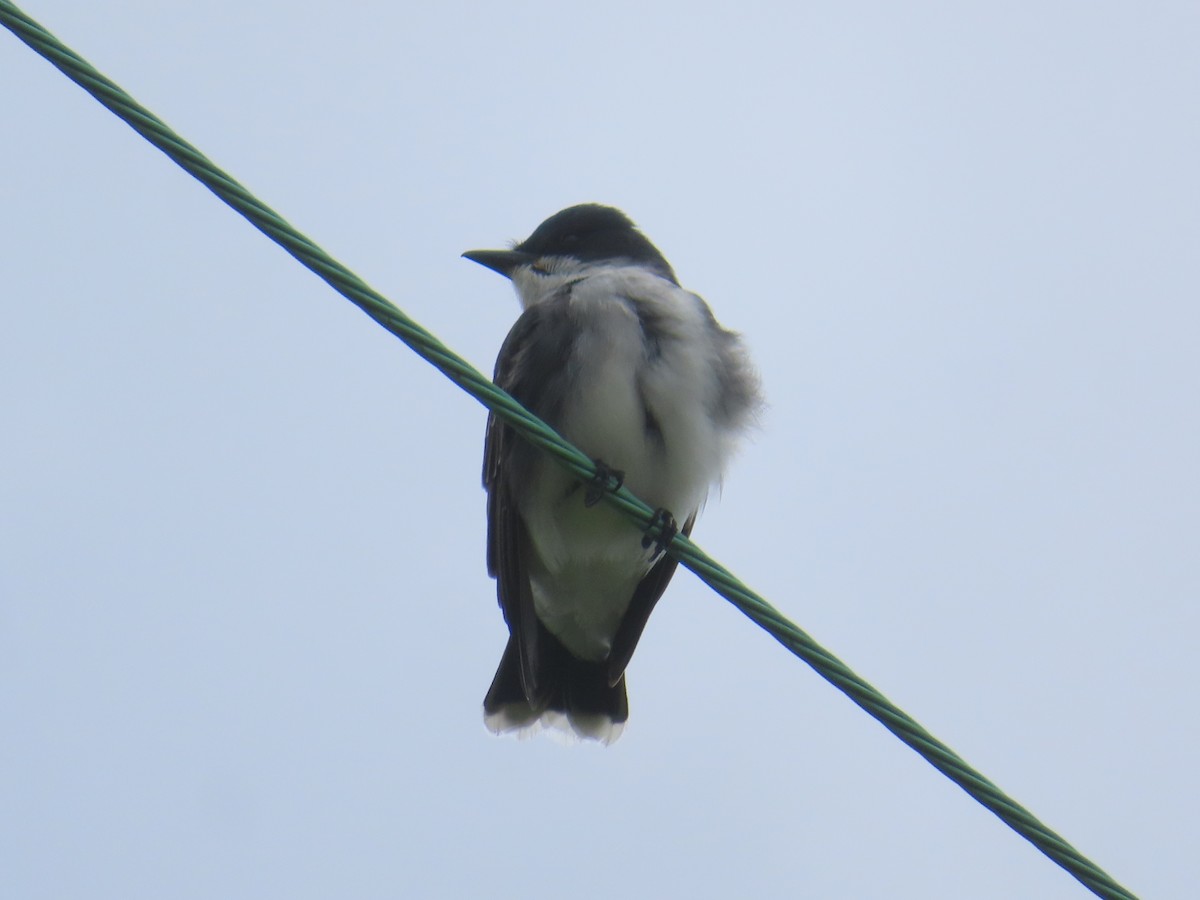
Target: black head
(589,233)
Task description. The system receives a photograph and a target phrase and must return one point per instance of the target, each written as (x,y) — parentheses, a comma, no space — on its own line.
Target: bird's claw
(606,479)
(667,529)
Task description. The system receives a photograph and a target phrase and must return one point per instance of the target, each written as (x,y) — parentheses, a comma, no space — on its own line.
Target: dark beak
(502,261)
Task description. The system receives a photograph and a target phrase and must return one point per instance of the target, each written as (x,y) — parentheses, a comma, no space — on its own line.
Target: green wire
(465,376)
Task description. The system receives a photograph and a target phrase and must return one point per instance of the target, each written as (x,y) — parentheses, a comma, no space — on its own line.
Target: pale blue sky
(245,624)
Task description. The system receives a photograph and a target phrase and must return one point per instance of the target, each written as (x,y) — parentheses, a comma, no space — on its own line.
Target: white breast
(591,559)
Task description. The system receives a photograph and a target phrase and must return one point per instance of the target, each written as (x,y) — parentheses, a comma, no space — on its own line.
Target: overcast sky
(245,622)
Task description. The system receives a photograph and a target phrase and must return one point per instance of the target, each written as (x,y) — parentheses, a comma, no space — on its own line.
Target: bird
(635,371)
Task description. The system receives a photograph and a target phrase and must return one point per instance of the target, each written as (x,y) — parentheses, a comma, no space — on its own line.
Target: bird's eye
(571,239)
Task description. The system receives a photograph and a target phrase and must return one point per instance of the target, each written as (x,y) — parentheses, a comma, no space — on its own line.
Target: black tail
(566,685)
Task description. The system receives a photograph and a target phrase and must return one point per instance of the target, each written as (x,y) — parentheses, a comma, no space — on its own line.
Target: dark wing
(532,366)
(645,595)
(507,555)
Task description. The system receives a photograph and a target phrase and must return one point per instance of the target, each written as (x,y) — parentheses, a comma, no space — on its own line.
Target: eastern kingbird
(636,372)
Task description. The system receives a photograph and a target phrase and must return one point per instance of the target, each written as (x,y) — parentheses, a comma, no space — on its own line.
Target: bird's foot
(667,529)
(606,479)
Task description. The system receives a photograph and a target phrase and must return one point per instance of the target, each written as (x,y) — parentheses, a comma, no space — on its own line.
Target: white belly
(590,559)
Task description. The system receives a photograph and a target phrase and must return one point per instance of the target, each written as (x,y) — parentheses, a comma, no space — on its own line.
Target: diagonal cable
(470,380)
